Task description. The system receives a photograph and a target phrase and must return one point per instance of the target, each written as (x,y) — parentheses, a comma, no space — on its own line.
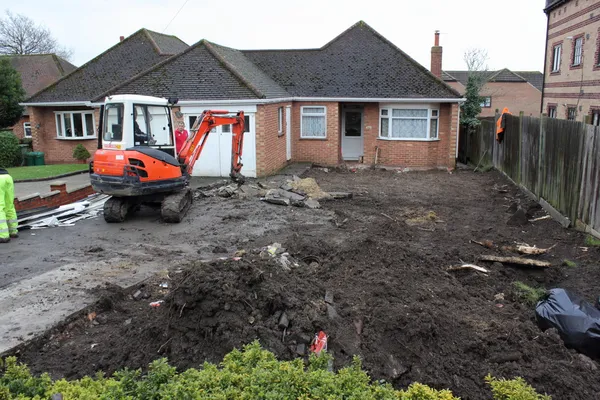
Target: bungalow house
(62,114)
(359,98)
(37,71)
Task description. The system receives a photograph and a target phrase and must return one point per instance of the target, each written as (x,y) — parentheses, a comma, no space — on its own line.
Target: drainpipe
(545,61)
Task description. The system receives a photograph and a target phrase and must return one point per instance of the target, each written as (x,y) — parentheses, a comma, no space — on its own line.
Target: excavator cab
(138,121)
(136,161)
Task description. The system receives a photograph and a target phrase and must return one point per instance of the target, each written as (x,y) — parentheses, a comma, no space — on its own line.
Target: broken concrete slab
(227,191)
(284,322)
(331,312)
(280,201)
(328,297)
(286,186)
(340,195)
(312,204)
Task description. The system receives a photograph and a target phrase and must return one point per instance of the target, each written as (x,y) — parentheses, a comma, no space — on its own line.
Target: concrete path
(43,187)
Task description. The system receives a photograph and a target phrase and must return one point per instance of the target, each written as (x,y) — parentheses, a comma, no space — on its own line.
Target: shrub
(514,389)
(252,373)
(528,294)
(81,153)
(10,152)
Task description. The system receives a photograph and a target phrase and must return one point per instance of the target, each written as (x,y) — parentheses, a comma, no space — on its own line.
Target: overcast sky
(512,31)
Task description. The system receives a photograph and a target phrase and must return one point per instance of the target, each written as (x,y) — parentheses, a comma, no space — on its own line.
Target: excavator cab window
(151,126)
(113,122)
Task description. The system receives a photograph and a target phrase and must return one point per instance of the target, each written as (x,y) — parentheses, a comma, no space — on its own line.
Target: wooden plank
(556,215)
(516,260)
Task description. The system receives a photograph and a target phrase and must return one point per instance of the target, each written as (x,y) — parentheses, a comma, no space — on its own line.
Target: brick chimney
(436,56)
(121,38)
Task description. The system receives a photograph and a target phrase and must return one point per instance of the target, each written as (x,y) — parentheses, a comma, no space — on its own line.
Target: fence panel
(530,143)
(557,160)
(589,196)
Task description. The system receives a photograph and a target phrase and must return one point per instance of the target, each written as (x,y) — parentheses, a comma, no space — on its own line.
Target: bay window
(313,122)
(75,125)
(400,123)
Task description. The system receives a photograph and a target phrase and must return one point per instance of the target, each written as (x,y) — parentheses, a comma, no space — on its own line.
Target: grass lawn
(44,171)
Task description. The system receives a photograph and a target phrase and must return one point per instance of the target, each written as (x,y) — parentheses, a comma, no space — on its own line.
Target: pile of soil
(375,284)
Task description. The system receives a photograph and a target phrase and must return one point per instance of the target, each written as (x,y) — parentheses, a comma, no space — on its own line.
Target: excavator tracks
(116,209)
(176,205)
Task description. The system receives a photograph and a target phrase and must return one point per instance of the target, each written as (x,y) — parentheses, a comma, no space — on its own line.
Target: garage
(216,155)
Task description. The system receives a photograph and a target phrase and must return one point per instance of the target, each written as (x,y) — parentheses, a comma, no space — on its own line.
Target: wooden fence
(557,161)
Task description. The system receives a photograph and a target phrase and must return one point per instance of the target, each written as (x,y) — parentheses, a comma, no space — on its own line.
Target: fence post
(493,145)
(520,176)
(541,158)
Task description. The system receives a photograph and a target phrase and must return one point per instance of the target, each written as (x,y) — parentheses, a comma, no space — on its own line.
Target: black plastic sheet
(577,321)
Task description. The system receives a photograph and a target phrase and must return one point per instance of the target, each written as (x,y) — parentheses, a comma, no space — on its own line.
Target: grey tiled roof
(124,60)
(39,70)
(504,75)
(167,44)
(263,84)
(358,63)
(551,4)
(536,78)
(195,74)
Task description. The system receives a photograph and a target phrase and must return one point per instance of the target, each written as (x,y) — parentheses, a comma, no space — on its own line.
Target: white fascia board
(58,104)
(370,100)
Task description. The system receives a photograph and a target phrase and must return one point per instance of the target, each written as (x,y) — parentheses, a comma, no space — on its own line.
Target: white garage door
(215,159)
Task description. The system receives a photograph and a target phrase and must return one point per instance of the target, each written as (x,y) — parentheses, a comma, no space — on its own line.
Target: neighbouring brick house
(62,115)
(358,98)
(517,90)
(572,63)
(37,71)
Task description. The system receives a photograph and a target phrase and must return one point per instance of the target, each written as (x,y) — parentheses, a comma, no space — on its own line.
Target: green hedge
(252,373)
(10,152)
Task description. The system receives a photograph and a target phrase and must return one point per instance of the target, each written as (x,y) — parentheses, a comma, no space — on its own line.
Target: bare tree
(476,60)
(20,35)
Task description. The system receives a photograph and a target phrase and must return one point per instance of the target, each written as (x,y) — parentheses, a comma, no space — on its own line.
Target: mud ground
(371,273)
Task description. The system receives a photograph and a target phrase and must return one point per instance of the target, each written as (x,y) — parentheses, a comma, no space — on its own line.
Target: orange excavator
(137,163)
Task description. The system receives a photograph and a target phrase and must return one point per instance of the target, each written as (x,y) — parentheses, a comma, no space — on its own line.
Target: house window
(578,52)
(75,125)
(486,102)
(571,113)
(280,120)
(313,122)
(409,123)
(552,112)
(27,129)
(556,58)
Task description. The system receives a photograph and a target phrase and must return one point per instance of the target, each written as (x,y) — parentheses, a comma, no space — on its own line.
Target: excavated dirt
(382,263)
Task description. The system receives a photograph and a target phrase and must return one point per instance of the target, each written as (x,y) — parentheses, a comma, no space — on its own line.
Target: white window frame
(280,121)
(556,54)
(484,101)
(60,124)
(324,115)
(433,112)
(27,125)
(552,112)
(578,51)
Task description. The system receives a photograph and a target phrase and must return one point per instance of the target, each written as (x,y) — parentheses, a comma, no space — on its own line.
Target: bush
(10,152)
(81,153)
(252,373)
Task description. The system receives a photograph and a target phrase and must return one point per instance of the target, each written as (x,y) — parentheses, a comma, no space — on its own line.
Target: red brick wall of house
(320,151)
(18,128)
(270,144)
(57,151)
(412,154)
(517,96)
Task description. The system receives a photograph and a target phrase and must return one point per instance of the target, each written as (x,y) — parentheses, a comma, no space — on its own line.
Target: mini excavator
(137,161)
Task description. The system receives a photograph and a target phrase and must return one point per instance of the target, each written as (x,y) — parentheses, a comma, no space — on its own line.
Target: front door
(352,135)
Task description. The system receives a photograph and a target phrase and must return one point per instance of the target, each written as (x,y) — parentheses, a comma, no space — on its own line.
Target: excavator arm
(193,146)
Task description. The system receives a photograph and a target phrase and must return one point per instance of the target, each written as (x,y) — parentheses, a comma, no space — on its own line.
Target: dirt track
(383,256)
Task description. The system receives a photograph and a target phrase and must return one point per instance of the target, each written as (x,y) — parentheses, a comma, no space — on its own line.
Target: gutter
(336,99)
(58,104)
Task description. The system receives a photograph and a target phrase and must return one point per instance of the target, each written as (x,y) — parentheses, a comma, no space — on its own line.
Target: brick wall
(320,151)
(57,151)
(18,128)
(517,96)
(412,154)
(270,143)
(57,197)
